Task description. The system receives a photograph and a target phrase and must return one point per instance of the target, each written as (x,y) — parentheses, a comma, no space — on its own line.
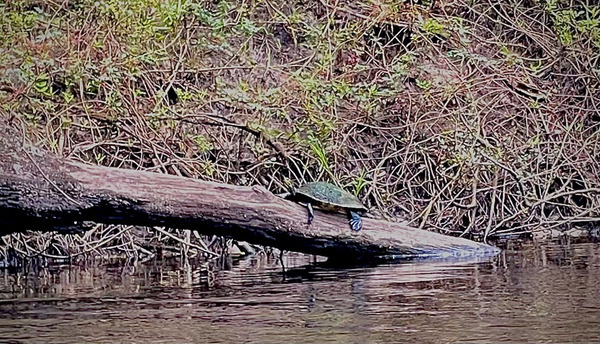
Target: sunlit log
(40,191)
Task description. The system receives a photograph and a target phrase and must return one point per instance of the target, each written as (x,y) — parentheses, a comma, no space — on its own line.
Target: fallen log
(40,191)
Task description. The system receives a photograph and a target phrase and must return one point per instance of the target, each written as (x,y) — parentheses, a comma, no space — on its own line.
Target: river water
(529,293)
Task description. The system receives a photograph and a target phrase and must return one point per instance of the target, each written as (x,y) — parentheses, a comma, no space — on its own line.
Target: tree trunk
(41,191)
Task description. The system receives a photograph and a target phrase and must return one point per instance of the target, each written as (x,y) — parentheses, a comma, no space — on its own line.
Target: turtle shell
(329,195)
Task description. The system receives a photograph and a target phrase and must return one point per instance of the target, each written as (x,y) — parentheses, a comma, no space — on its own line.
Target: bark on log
(41,191)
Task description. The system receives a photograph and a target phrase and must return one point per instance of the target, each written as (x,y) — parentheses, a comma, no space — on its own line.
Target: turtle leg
(311,213)
(355,221)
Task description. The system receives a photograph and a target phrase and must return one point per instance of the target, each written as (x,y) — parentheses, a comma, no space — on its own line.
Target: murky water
(535,293)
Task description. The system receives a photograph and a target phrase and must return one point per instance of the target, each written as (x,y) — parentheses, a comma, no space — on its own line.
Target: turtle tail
(355,221)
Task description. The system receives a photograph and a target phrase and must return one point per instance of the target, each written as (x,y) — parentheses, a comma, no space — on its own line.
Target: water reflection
(529,293)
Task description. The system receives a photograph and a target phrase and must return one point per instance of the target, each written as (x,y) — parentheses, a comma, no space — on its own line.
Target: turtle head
(355,221)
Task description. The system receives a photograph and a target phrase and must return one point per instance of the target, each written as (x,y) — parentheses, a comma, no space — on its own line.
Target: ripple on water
(537,293)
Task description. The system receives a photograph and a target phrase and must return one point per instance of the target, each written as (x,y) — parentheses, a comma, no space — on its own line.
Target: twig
(185,243)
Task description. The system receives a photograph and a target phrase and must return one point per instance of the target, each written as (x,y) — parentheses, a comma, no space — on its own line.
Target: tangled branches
(476,119)
(111,241)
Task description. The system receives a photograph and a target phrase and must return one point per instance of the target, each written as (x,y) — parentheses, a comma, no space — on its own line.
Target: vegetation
(469,118)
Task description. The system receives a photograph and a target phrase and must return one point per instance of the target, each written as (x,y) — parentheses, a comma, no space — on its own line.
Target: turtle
(328,197)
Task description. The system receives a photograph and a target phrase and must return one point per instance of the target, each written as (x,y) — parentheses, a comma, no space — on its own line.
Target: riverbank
(474,120)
